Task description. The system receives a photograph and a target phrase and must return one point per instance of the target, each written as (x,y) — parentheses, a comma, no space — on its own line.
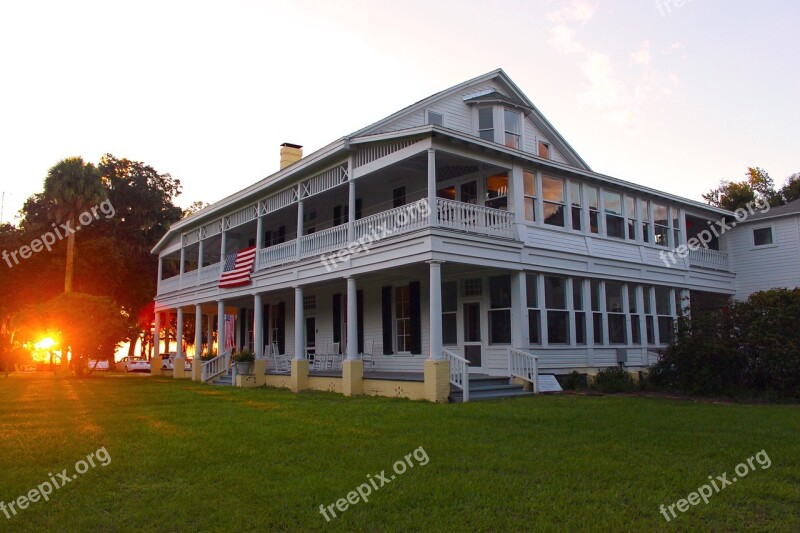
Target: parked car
(133,364)
(101,365)
(167,362)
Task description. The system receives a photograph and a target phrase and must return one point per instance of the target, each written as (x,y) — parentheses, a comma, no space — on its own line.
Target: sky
(673,94)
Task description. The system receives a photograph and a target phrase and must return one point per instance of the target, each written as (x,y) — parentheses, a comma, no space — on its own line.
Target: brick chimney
(290,153)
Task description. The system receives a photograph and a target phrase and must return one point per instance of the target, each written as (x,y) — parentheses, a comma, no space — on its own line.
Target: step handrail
(459,372)
(214,367)
(525,366)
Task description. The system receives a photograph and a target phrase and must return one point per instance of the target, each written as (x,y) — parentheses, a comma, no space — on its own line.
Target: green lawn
(186,457)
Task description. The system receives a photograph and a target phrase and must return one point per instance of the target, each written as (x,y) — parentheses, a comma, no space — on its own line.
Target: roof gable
(492,87)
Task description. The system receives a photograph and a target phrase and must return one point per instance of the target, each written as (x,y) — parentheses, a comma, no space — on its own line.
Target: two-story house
(461,236)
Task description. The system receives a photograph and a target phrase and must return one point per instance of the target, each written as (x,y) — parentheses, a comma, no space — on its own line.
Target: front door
(311,337)
(472,334)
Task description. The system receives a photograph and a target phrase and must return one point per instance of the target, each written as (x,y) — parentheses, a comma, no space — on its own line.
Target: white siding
(760,268)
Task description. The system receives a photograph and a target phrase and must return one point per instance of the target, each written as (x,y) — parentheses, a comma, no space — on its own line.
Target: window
(497,192)
(597,314)
(529,182)
(449,311)
(644,213)
(402,318)
(633,309)
(469,192)
(309,302)
(630,217)
(664,312)
(472,287)
(615,224)
(580,314)
(555,299)
(575,200)
(648,312)
(486,123)
(660,225)
(399,197)
(512,122)
(436,119)
(762,236)
(500,310)
(544,150)
(553,201)
(616,313)
(532,297)
(593,201)
(676,227)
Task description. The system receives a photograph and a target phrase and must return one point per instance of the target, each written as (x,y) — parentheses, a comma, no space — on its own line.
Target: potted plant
(243,361)
(207,356)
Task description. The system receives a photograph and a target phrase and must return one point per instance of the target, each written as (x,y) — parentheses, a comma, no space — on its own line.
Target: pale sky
(675,97)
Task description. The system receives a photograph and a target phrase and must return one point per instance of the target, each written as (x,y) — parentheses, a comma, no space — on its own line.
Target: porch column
(351,201)
(223,246)
(353,367)
(541,302)
(603,309)
(259,237)
(436,367)
(640,309)
(199,260)
(298,243)
(626,308)
(432,194)
(183,258)
(178,368)
(160,269)
(220,326)
(210,325)
(517,190)
(654,310)
(198,342)
(260,364)
(155,361)
(588,321)
(299,377)
(519,311)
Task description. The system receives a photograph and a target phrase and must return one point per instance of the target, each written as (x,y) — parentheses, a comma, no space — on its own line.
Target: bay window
(575,200)
(512,123)
(529,185)
(532,298)
(614,220)
(553,201)
(555,298)
(593,201)
(500,310)
(486,123)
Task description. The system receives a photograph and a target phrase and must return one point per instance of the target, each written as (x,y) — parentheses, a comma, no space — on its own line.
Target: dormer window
(544,150)
(513,125)
(486,123)
(435,119)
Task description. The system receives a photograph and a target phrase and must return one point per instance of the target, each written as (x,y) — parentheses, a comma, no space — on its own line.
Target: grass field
(186,457)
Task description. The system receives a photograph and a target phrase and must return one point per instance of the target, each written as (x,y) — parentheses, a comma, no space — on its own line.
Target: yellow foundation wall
(278,381)
(413,390)
(326,384)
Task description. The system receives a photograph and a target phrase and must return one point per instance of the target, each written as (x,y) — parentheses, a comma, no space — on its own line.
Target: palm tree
(74,186)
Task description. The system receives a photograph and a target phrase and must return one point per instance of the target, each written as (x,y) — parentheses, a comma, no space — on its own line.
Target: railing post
(259,236)
(220,327)
(432,186)
(199,258)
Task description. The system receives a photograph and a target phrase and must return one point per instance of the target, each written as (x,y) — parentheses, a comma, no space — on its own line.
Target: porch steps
(225,380)
(483,387)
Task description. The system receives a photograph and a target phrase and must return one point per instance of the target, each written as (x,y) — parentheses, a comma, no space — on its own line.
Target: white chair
(367,356)
(281,362)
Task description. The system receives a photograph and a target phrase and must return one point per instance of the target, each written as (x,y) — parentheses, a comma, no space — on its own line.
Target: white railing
(189,279)
(243,216)
(525,366)
(474,218)
(459,372)
(278,254)
(394,221)
(209,273)
(707,258)
(214,367)
(169,284)
(323,241)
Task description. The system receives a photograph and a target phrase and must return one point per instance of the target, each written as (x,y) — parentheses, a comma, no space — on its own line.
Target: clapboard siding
(762,268)
(555,240)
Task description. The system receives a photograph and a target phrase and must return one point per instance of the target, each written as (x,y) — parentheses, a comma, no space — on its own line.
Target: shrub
(747,346)
(573,381)
(208,356)
(613,380)
(245,356)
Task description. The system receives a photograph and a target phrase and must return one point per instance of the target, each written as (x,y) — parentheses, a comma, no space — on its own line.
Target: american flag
(237,268)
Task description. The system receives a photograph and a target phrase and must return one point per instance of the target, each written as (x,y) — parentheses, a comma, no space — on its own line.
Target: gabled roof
(512,92)
(792,208)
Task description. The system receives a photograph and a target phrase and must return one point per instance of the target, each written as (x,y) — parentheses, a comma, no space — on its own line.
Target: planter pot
(243,369)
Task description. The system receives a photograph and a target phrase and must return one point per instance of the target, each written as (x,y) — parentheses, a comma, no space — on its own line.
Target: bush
(573,381)
(245,356)
(613,380)
(747,347)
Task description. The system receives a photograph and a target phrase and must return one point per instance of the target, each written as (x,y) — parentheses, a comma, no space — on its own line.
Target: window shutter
(386,305)
(416,317)
(337,318)
(282,327)
(360,320)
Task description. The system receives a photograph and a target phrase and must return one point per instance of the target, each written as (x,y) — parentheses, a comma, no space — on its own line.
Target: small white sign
(548,383)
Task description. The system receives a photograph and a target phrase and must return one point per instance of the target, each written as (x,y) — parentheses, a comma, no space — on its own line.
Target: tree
(791,190)
(73,186)
(194,208)
(733,195)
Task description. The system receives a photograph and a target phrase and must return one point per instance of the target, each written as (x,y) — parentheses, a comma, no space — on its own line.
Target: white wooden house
(469,239)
